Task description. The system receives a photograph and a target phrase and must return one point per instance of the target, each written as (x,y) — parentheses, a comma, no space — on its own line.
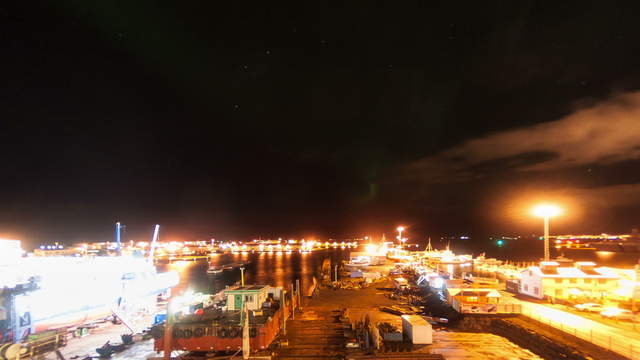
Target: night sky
(317,119)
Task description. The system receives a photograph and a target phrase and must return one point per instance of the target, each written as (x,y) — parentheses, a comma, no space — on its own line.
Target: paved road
(616,339)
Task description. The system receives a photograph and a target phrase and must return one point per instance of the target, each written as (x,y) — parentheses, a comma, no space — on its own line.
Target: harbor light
(400,230)
(546,211)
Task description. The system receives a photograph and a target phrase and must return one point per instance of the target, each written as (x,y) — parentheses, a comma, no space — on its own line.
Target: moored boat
(253,312)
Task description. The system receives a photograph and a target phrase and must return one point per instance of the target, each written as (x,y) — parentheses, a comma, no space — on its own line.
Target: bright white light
(371,248)
(546,210)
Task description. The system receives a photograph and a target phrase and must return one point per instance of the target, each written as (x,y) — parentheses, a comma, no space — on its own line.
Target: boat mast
(154,239)
(118,227)
(429,248)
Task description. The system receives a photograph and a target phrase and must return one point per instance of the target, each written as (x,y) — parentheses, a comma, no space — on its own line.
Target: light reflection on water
(278,269)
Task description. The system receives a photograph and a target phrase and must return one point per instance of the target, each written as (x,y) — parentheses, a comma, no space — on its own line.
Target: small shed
(253,295)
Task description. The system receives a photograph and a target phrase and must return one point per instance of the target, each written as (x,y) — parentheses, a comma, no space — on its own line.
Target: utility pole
(246,345)
(168,333)
(547,254)
(298,286)
(293,303)
(284,314)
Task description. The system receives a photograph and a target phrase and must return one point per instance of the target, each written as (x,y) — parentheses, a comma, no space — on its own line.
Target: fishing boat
(217,269)
(358,263)
(53,293)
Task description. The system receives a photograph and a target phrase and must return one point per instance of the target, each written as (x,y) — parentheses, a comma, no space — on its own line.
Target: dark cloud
(605,133)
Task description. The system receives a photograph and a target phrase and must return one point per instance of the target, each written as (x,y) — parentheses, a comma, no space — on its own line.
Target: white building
(251,295)
(583,281)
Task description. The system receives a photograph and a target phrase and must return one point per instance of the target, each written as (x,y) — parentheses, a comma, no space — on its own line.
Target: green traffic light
(500,242)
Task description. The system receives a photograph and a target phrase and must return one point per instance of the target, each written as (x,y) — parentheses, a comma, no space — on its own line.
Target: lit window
(472,299)
(558,281)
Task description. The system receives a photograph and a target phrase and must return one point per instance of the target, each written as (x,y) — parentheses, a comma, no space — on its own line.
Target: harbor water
(283,269)
(275,268)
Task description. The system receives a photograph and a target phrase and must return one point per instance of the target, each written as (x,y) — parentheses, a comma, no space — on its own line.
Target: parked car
(618,314)
(590,307)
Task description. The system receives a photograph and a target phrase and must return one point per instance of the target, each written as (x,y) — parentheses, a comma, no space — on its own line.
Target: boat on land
(52,293)
(41,294)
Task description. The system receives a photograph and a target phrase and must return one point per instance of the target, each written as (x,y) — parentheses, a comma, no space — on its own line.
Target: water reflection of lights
(180,265)
(604,255)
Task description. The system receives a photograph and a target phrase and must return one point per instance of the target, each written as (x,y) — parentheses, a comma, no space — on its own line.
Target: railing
(620,345)
(483,308)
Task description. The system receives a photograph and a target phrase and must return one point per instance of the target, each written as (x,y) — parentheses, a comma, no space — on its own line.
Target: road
(619,340)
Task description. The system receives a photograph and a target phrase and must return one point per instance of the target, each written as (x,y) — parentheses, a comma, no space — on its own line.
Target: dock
(321,330)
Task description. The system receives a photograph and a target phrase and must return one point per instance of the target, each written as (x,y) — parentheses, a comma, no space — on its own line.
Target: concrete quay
(315,333)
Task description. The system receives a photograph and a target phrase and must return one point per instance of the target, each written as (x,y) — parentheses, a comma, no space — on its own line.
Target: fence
(624,346)
(474,308)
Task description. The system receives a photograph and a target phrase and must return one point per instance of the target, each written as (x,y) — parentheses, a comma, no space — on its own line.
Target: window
(248,298)
(526,287)
(558,292)
(573,281)
(602,281)
(558,281)
(472,299)
(535,290)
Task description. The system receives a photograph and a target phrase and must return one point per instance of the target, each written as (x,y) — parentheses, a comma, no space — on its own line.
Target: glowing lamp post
(546,211)
(400,230)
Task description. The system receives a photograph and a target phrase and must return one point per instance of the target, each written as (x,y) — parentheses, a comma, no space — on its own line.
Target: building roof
(473,292)
(248,288)
(574,272)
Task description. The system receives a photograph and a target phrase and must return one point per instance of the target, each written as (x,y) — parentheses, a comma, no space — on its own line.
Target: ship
(242,318)
(217,269)
(52,293)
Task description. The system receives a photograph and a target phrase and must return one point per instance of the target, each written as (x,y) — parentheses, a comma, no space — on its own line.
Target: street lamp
(400,230)
(546,211)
